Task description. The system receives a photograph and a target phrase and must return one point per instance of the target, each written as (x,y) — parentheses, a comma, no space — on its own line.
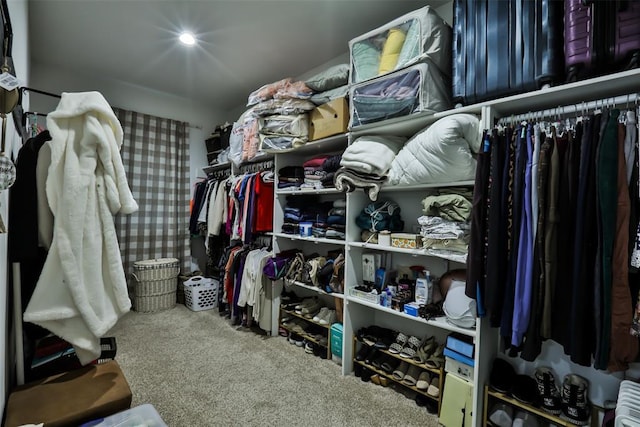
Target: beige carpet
(198,370)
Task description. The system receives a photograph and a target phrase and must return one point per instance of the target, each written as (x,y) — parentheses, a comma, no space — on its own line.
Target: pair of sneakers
(325,316)
(571,403)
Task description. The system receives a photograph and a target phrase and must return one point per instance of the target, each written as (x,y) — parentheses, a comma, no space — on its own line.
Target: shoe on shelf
(525,419)
(305,302)
(398,345)
(424,379)
(310,310)
(357,369)
(362,353)
(375,378)
(411,377)
(372,354)
(329,318)
(575,404)
(379,359)
(390,365)
(548,393)
(366,374)
(323,312)
(434,387)
(525,389)
(410,348)
(308,347)
(296,339)
(426,349)
(501,376)
(501,415)
(318,350)
(299,327)
(401,371)
(436,360)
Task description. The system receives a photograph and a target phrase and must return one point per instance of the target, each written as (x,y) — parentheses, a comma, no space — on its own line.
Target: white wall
(130,97)
(18,15)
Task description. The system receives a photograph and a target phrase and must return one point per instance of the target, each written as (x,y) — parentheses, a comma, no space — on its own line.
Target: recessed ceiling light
(187,39)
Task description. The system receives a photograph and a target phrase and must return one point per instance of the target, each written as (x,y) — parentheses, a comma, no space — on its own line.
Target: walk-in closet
(327,213)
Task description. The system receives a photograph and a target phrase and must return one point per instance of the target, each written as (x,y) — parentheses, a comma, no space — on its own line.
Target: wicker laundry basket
(156,284)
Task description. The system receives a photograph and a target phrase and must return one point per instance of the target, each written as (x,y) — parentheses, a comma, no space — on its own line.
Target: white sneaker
(321,314)
(329,318)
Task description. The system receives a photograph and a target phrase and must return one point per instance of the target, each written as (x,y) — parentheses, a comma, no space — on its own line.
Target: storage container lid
(155,263)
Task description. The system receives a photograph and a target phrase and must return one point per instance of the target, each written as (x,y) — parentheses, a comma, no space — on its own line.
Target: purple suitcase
(579,52)
(626,50)
(601,37)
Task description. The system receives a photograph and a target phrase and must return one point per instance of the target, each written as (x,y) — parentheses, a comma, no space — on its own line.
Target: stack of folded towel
(330,166)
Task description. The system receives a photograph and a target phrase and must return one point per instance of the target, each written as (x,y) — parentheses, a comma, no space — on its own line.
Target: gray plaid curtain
(155,153)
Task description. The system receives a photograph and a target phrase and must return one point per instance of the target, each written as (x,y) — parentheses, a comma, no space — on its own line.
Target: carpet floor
(198,370)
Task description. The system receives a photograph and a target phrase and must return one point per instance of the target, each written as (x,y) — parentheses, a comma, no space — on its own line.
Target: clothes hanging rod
(41,92)
(575,109)
(33,113)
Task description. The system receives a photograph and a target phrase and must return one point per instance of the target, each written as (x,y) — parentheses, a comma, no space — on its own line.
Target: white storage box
(407,40)
(156,284)
(201,293)
(458,369)
(143,415)
(418,88)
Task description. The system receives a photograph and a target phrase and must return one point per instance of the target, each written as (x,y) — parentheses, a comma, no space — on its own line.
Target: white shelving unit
(359,312)
(283,241)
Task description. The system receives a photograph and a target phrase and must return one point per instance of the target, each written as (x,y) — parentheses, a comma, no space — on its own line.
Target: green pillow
(333,77)
(366,59)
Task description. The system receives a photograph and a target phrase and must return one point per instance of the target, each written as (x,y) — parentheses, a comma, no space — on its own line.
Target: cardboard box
(461,343)
(329,119)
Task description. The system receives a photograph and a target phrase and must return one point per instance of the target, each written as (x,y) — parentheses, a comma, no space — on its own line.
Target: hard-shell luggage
(601,37)
(503,48)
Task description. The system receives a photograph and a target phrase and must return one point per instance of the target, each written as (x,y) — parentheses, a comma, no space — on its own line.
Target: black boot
(575,404)
(548,392)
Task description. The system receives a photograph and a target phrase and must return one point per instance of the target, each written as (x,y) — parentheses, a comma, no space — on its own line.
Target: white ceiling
(243,44)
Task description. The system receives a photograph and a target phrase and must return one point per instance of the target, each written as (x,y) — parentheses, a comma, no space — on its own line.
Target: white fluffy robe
(82,291)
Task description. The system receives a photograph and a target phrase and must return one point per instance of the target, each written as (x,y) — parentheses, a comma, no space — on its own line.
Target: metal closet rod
(42,92)
(575,109)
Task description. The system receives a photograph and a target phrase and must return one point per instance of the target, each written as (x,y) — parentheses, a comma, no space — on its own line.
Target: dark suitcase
(601,37)
(505,47)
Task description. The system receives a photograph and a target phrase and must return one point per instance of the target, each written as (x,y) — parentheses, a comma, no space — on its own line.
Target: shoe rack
(389,376)
(325,329)
(492,397)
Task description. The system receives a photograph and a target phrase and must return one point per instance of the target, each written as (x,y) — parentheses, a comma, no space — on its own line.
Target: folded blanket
(372,154)
(454,207)
(347,181)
